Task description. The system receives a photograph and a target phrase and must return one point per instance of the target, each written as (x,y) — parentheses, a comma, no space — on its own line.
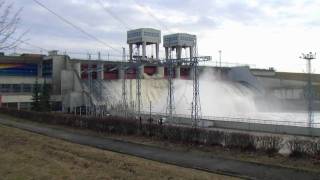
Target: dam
(143,83)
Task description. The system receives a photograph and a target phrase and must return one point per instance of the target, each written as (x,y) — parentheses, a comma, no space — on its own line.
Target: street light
(308,57)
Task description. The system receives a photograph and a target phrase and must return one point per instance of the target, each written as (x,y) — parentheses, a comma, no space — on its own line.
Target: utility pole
(99,55)
(170,97)
(138,89)
(150,109)
(130,87)
(220,66)
(220,53)
(196,106)
(308,57)
(89,71)
(124,86)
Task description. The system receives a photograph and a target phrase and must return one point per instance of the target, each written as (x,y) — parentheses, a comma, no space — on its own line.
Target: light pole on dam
(308,57)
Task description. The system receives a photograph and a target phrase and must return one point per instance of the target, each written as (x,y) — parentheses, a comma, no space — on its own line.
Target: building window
(47,68)
(5,88)
(25,105)
(16,87)
(27,88)
(134,34)
(13,105)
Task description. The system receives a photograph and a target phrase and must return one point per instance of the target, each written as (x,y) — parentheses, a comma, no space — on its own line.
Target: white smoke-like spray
(220,98)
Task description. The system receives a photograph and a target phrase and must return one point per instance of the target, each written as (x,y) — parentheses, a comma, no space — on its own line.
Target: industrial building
(18,75)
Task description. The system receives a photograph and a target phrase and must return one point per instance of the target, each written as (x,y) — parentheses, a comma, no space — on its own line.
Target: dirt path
(216,165)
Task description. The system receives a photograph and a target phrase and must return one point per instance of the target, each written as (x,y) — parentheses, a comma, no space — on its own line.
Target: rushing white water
(218,98)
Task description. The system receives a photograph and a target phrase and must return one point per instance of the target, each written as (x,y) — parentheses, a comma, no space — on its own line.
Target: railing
(261,121)
(243,120)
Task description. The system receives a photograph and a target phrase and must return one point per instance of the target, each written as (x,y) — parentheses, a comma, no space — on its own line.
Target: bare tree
(9,20)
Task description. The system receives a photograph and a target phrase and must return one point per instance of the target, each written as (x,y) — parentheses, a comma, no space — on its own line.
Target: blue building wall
(18,69)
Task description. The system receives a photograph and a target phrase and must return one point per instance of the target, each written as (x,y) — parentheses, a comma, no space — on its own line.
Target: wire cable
(27,43)
(107,10)
(76,27)
(152,15)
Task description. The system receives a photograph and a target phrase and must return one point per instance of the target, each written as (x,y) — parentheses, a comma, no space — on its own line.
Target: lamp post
(308,57)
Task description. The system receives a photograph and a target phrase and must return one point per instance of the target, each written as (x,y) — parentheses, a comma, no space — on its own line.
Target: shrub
(302,147)
(215,138)
(242,141)
(269,144)
(181,134)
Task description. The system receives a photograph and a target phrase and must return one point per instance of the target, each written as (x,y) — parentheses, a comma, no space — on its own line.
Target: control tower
(178,41)
(143,37)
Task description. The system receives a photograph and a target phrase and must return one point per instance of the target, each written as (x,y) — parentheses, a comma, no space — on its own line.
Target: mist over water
(219,98)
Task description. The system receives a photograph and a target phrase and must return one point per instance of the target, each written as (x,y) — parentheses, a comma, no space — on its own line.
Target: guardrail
(262,121)
(245,124)
(244,120)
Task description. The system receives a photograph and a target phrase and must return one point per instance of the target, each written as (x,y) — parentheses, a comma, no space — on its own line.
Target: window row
(134,34)
(47,68)
(151,34)
(16,88)
(175,38)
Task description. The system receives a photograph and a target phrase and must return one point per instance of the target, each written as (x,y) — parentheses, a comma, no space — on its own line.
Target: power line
(113,14)
(27,43)
(42,49)
(76,27)
(152,15)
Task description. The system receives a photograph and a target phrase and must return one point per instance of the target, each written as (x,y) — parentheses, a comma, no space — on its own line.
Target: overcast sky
(265,33)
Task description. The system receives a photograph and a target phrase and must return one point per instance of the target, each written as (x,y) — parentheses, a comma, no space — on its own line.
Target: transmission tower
(193,62)
(170,98)
(136,51)
(195,106)
(138,86)
(130,91)
(124,86)
(308,57)
(89,72)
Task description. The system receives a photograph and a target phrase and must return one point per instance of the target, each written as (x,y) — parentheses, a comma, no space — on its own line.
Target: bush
(242,141)
(301,147)
(215,138)
(269,144)
(181,134)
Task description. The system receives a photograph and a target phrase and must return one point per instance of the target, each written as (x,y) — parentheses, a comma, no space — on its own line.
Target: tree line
(41,97)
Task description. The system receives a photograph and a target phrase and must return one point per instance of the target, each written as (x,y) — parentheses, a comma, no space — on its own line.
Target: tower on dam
(143,37)
(177,41)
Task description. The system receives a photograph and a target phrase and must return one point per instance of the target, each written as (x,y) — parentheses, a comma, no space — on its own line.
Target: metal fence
(235,119)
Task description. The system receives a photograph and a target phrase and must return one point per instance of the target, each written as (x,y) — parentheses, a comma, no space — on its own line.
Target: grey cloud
(91,17)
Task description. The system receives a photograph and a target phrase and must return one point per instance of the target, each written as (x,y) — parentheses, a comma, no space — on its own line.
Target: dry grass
(212,151)
(25,155)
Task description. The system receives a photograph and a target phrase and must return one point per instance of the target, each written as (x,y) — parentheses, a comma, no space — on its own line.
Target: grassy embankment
(25,155)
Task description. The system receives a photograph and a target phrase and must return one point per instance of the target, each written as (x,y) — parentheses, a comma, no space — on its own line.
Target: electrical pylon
(138,89)
(124,86)
(170,97)
(196,105)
